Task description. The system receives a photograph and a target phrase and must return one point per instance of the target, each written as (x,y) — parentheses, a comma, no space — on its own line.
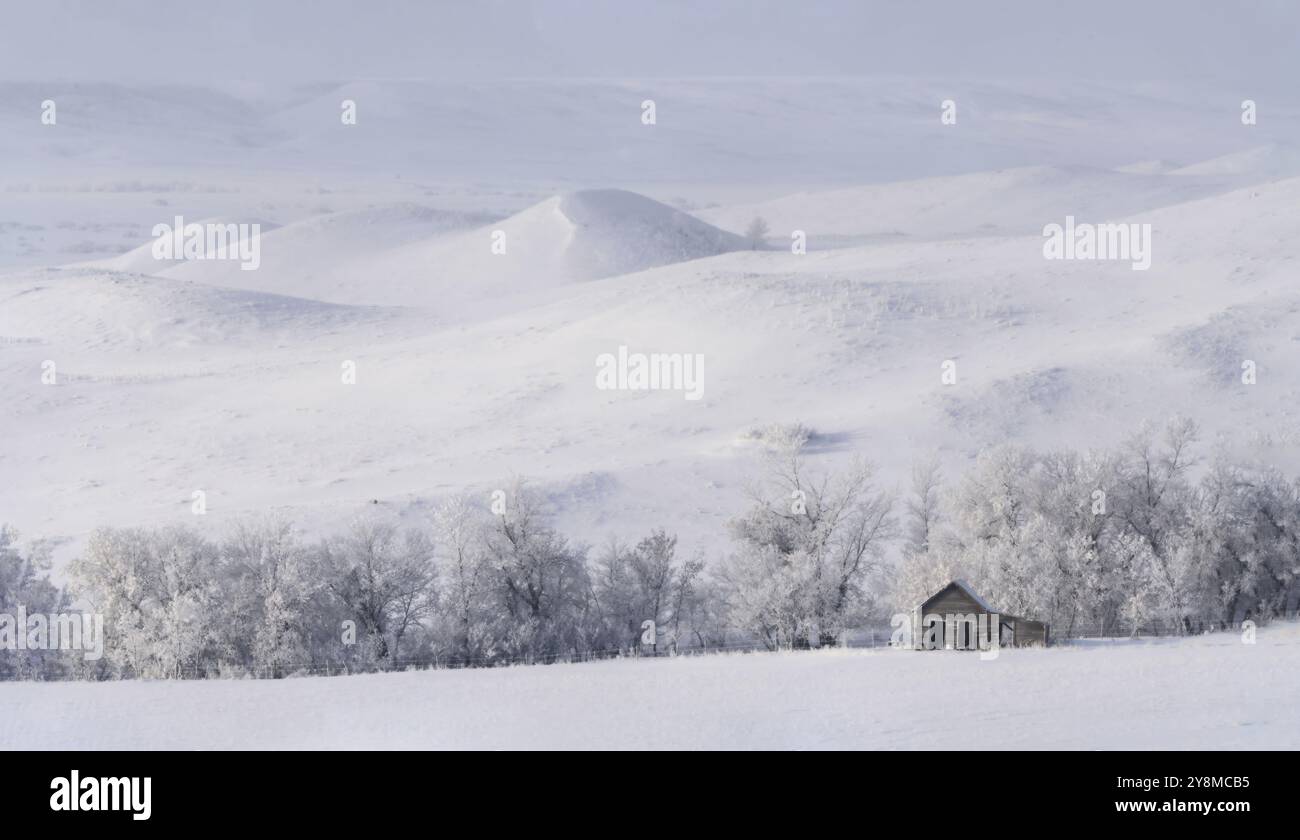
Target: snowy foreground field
(1207,692)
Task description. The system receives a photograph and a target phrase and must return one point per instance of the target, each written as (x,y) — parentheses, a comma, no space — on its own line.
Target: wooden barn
(956,618)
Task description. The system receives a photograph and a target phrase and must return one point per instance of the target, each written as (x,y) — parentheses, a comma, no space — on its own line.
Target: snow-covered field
(1209,692)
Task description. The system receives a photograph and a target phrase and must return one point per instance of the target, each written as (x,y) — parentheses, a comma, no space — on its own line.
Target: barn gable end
(956,597)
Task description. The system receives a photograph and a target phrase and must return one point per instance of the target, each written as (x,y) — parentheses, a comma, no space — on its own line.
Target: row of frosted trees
(1147,536)
(1141,537)
(1150,536)
(468,588)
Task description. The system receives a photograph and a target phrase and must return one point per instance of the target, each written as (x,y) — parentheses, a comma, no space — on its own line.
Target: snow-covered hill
(92,311)
(452,262)
(174,385)
(298,252)
(1275,160)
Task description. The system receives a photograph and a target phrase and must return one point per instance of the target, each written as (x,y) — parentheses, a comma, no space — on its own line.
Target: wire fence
(424,662)
(1152,629)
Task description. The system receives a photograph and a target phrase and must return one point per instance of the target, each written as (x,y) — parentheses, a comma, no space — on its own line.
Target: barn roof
(964,587)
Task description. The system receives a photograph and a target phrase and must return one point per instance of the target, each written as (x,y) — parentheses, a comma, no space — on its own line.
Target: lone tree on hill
(756,233)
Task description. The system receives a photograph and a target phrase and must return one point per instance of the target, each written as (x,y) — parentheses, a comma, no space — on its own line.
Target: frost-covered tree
(757,232)
(541,581)
(1155,502)
(997,536)
(767,594)
(806,548)
(688,589)
(160,594)
(469,624)
(25,581)
(1242,552)
(645,583)
(701,618)
(1074,492)
(1031,531)
(265,595)
(1133,568)
(613,590)
(654,568)
(923,567)
(383,579)
(923,505)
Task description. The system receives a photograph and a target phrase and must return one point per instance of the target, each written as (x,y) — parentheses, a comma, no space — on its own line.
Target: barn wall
(951,601)
(1030,633)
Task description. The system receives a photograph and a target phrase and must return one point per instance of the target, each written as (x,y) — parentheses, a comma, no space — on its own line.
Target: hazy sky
(1252,42)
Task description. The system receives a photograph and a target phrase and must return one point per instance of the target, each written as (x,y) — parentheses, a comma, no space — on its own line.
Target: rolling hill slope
(1010,202)
(250,404)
